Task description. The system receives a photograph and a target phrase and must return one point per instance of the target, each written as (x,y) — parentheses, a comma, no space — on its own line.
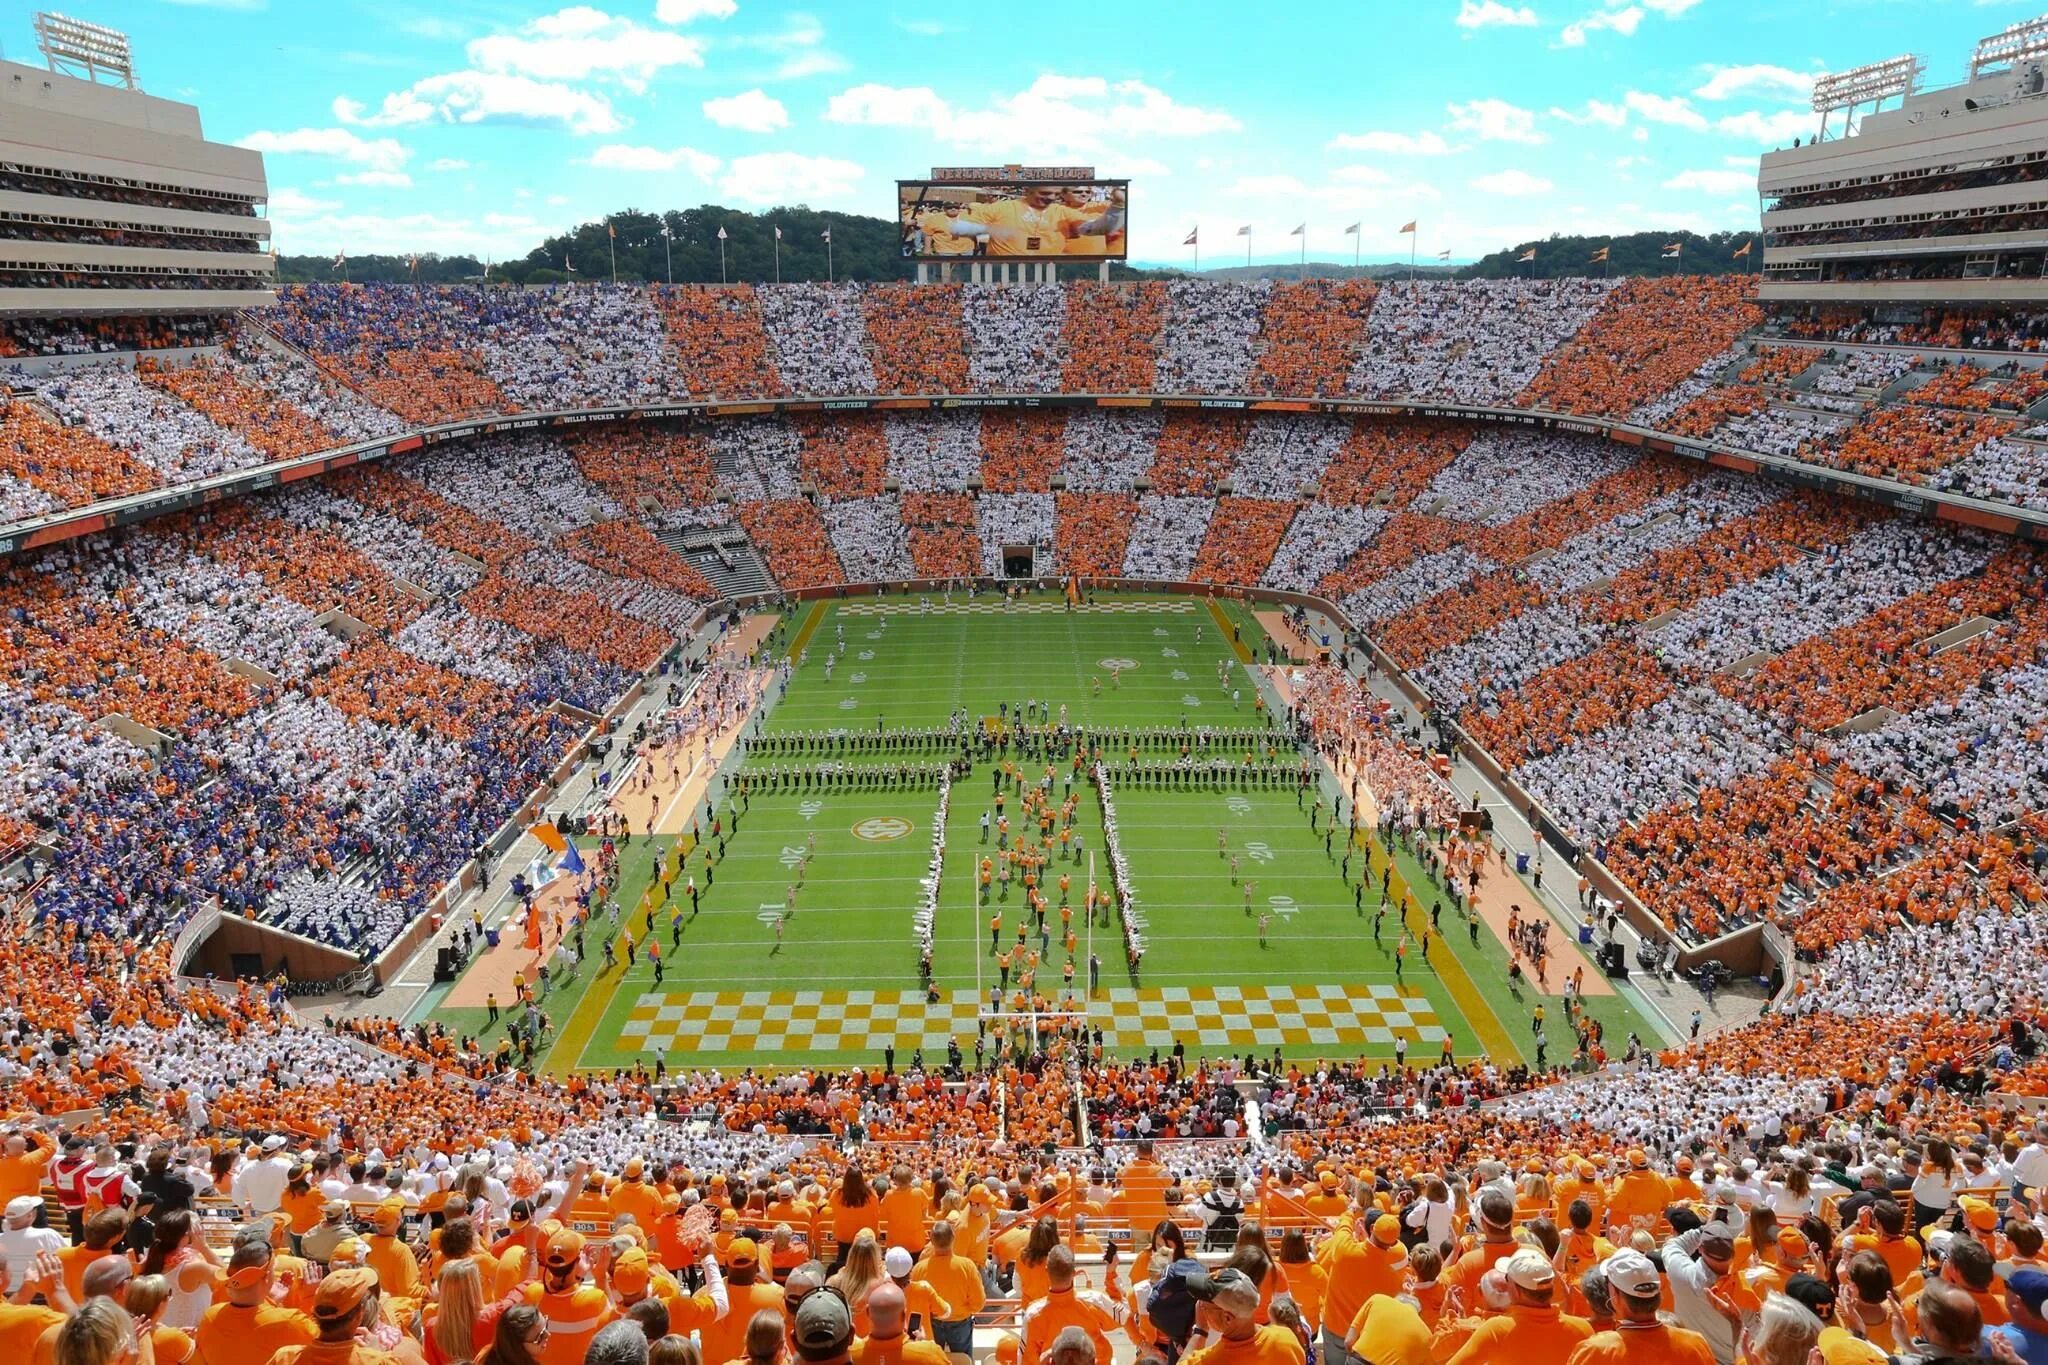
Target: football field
(803,943)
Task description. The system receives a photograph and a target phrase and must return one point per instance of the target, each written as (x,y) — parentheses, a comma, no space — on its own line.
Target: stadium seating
(1755,705)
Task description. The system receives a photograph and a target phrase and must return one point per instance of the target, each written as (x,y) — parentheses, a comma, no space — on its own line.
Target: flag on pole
(1743,250)
(721,234)
(778,232)
(1598,256)
(1444,255)
(1299,231)
(1352,231)
(1671,249)
(1245,231)
(1189,240)
(1408,226)
(567,269)
(550,837)
(611,232)
(1528,255)
(340,260)
(572,861)
(666,234)
(826,234)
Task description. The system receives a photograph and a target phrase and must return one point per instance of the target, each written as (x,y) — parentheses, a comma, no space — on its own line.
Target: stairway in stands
(724,555)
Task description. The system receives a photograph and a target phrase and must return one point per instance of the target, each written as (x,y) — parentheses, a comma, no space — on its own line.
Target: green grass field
(843,981)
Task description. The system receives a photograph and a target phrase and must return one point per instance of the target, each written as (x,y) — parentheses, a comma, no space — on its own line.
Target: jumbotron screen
(1065,220)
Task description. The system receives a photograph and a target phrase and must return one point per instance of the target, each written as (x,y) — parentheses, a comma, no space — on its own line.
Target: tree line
(865,248)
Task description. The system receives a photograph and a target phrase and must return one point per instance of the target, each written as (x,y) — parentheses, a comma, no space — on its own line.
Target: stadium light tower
(2010,47)
(1877,82)
(73,47)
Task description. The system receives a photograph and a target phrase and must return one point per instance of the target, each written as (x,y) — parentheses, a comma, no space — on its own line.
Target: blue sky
(474,126)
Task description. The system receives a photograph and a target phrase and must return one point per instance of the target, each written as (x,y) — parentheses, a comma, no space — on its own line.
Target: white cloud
(1671,9)
(447,163)
(316,228)
(292,201)
(1757,81)
(1665,109)
(1514,183)
(683,11)
(392,180)
(887,106)
(378,154)
(582,43)
(1056,115)
(1622,21)
(616,157)
(1393,144)
(801,46)
(1775,129)
(1713,182)
(755,111)
(1597,111)
(1488,13)
(789,178)
(486,97)
(1495,121)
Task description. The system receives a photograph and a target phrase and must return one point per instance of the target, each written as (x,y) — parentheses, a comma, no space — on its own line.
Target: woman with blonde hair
(451,1323)
(101,1333)
(1784,1333)
(857,1278)
(145,1304)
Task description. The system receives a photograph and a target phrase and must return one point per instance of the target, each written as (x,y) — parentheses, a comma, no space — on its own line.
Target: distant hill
(1314,270)
(864,248)
(1640,253)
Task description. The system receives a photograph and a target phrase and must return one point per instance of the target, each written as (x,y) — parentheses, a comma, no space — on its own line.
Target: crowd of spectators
(1469,341)
(1091,532)
(817,336)
(1649,336)
(1243,536)
(1311,336)
(1109,449)
(1014,519)
(867,535)
(1166,537)
(915,336)
(720,345)
(1210,330)
(1194,452)
(152,427)
(46,465)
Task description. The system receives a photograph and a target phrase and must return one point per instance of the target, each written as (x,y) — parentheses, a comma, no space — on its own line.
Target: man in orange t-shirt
(1533,1328)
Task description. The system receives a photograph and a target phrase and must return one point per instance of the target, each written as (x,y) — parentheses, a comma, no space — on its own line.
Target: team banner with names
(1080,221)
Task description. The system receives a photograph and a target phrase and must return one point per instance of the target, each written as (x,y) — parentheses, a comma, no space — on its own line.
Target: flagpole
(721,256)
(778,255)
(612,236)
(1247,251)
(828,255)
(668,256)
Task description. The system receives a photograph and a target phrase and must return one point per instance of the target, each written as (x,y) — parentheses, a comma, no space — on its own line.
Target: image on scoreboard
(1068,221)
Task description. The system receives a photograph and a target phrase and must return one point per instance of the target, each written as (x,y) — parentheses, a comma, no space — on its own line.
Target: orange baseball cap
(630,1272)
(742,1251)
(565,1248)
(343,1291)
